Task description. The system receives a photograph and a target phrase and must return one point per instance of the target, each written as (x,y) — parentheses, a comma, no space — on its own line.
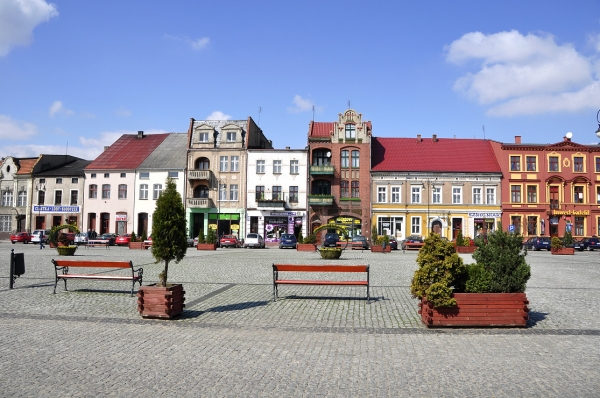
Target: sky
(76,75)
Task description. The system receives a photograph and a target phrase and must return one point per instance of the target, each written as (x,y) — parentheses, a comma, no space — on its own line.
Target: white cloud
(218,115)
(11,129)
(18,18)
(301,105)
(196,44)
(123,112)
(519,73)
(58,108)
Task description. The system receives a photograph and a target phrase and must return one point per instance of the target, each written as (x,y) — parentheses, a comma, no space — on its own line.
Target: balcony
(200,175)
(321,170)
(274,204)
(320,200)
(200,203)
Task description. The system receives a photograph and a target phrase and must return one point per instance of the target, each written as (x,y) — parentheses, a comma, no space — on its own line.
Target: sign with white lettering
(56,209)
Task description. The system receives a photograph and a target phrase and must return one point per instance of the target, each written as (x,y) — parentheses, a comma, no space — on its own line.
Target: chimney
(435,138)
(517,139)
(419,139)
(106,147)
(287,148)
(140,135)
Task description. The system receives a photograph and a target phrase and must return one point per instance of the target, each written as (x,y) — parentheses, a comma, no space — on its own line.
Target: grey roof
(171,154)
(73,169)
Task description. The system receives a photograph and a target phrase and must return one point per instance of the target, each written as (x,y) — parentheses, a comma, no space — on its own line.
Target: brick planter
(379,249)
(136,245)
(563,250)
(161,302)
(206,246)
(306,247)
(465,249)
(478,309)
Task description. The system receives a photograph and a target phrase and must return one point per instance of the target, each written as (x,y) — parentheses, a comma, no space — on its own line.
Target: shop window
(516,223)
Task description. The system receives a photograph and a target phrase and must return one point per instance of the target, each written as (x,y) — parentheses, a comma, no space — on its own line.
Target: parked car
(587,244)
(393,243)
(123,240)
(80,239)
(287,240)
(254,240)
(111,238)
(412,242)
(538,243)
(40,234)
(229,241)
(24,237)
(331,239)
(192,242)
(70,237)
(359,239)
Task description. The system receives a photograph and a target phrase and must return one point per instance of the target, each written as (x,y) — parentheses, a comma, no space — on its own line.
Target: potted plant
(169,243)
(309,244)
(557,246)
(487,293)
(464,244)
(379,243)
(58,239)
(330,253)
(208,243)
(134,242)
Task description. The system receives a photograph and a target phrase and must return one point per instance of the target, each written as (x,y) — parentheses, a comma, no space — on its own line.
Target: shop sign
(121,217)
(494,214)
(571,212)
(347,220)
(235,227)
(56,209)
(212,226)
(285,213)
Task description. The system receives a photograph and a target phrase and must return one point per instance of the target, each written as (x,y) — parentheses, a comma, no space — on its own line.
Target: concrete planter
(155,301)
(478,309)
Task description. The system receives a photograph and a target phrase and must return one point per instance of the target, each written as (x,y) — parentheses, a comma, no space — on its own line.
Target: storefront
(352,224)
(225,224)
(272,224)
(481,222)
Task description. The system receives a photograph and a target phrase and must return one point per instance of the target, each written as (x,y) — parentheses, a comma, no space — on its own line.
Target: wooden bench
(97,242)
(277,268)
(351,245)
(64,265)
(146,244)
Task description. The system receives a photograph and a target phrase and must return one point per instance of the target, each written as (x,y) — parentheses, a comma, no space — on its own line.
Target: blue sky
(75,75)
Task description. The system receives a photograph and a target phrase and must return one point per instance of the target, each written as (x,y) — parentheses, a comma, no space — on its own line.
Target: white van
(43,233)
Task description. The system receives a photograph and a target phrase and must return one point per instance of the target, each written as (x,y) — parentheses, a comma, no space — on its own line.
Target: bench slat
(92,276)
(92,264)
(305,282)
(320,268)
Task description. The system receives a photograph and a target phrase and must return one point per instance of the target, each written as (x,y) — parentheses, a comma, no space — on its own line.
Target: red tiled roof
(26,165)
(321,129)
(445,155)
(128,152)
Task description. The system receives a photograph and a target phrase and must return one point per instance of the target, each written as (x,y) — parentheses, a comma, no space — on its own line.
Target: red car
(24,237)
(123,240)
(229,241)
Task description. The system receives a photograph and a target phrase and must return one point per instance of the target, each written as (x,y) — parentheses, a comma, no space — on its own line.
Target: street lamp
(598,119)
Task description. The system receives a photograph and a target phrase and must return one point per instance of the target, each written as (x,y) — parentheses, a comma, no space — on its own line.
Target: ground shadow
(224,308)
(535,317)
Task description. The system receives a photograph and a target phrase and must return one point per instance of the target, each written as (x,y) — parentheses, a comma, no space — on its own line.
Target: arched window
(201,191)
(202,164)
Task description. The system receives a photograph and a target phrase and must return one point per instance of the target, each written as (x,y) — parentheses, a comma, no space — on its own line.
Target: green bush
(330,253)
(479,279)
(211,237)
(459,239)
(144,236)
(568,239)
(201,238)
(300,238)
(556,243)
(311,238)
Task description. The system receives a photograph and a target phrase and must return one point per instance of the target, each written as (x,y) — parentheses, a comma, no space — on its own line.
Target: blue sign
(511,228)
(56,209)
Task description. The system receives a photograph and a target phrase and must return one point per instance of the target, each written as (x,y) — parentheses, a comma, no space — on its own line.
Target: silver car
(254,240)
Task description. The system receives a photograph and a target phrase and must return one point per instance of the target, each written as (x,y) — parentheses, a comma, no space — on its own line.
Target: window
(345,158)
(531,225)
(260,167)
(554,197)
(223,163)
(58,198)
(144,175)
(578,163)
(276,193)
(156,191)
(415,225)
(321,157)
(415,194)
(5,223)
(42,198)
(260,192)
(476,196)
(222,191)
(395,194)
(123,175)
(597,164)
(7,198)
(294,167)
(59,180)
(293,194)
(553,163)
(515,163)
(105,191)
(350,131)
(345,189)
(355,159)
(579,226)
(122,191)
(201,192)
(531,163)
(74,180)
(93,175)
(231,136)
(93,191)
(106,175)
(202,164)
(144,191)
(381,194)
(22,199)
(235,163)
(436,195)
(578,194)
(515,193)
(276,166)
(74,197)
(42,180)
(456,195)
(531,194)
(490,196)
(233,192)
(203,137)
(516,223)
(355,189)
(173,174)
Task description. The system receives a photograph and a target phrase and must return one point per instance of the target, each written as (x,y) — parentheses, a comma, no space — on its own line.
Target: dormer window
(350,131)
(231,136)
(203,137)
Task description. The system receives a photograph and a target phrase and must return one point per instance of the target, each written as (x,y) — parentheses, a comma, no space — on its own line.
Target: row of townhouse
(233,180)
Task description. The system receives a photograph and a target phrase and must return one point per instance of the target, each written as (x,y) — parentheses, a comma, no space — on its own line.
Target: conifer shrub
(311,238)
(568,239)
(211,236)
(201,239)
(133,237)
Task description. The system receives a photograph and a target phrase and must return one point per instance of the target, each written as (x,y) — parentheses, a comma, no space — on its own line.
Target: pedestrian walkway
(233,340)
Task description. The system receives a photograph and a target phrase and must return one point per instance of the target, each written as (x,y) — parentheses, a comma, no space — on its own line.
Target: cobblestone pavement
(233,340)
